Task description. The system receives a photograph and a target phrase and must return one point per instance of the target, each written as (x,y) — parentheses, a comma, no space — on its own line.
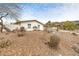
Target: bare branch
(3,16)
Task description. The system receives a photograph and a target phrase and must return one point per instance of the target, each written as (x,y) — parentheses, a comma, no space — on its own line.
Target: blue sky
(50,11)
(39,11)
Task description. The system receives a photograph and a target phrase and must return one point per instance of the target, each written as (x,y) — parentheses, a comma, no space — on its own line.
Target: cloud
(65,12)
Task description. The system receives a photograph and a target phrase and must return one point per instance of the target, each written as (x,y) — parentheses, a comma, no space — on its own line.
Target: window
(38,26)
(29,25)
(35,27)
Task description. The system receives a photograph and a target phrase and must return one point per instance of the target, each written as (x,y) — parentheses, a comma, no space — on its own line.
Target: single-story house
(29,25)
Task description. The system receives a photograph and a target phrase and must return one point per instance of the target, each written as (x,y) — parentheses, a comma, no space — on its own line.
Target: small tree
(2,20)
(10,9)
(49,24)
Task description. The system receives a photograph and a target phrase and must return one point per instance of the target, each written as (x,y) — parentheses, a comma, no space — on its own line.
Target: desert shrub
(4,42)
(54,41)
(22,29)
(21,32)
(74,34)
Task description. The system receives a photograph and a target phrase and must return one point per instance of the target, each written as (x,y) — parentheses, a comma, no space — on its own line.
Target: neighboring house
(29,25)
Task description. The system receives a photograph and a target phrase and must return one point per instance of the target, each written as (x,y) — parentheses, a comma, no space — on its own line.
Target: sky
(55,12)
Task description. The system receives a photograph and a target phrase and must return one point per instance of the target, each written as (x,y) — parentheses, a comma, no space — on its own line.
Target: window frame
(29,25)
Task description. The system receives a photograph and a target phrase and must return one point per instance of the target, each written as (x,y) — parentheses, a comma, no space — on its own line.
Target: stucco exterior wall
(25,25)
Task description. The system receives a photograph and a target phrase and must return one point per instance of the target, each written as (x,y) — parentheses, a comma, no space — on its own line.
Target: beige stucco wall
(32,25)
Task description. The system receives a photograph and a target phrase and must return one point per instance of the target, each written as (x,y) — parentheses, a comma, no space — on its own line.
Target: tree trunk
(1,25)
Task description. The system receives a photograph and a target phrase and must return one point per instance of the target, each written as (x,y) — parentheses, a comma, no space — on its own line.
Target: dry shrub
(21,32)
(54,41)
(22,29)
(4,42)
(74,34)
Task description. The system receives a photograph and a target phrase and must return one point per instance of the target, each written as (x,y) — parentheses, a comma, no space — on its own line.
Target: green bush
(54,41)
(68,25)
(4,42)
